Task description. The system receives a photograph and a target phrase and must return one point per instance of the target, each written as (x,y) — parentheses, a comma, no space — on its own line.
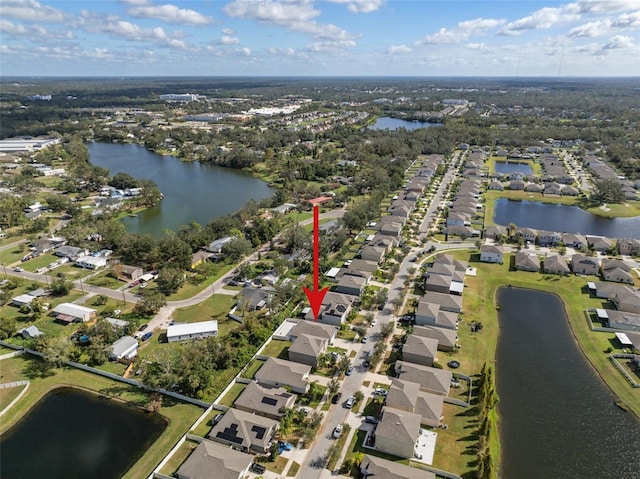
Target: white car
(374,322)
(380,392)
(337,432)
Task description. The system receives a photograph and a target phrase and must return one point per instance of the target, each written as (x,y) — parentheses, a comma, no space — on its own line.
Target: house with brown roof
(491,254)
(599,243)
(583,264)
(407,396)
(373,253)
(616,270)
(277,372)
(211,460)
(432,314)
(350,284)
(264,401)
(525,261)
(244,431)
(628,246)
(420,350)
(397,432)
(574,240)
(447,338)
(555,264)
(432,380)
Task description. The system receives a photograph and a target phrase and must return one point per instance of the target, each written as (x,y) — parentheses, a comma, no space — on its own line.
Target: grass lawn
(205,426)
(215,307)
(72,272)
(232,394)
(293,469)
(252,368)
(277,349)
(179,457)
(298,216)
(104,279)
(40,262)
(9,394)
(622,210)
(190,289)
(278,465)
(347,334)
(180,415)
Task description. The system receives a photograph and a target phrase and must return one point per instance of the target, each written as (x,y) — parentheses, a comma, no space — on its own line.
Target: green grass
(216,307)
(293,469)
(277,465)
(205,426)
(9,394)
(252,369)
(619,210)
(179,457)
(40,262)
(277,349)
(104,279)
(180,415)
(190,289)
(72,272)
(232,394)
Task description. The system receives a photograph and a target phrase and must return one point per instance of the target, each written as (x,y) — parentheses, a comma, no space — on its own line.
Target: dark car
(349,371)
(143,327)
(257,468)
(146,336)
(371,420)
(336,398)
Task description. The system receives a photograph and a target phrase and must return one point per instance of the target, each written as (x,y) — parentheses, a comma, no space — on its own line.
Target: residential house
(313,328)
(462,231)
(446,302)
(491,254)
(335,308)
(70,252)
(129,272)
(391,229)
(407,396)
(574,240)
(555,264)
(525,261)
(29,332)
(349,284)
(552,189)
(189,331)
(385,241)
(569,191)
(599,243)
(628,246)
(199,257)
(91,262)
(124,348)
(533,188)
(306,349)
(627,299)
(616,270)
(363,265)
(373,253)
(264,401)
(516,185)
(254,299)
(549,238)
(420,350)
(458,219)
(495,232)
(496,185)
(583,264)
(397,432)
(438,283)
(279,372)
(217,245)
(244,431)
(447,338)
(211,460)
(431,314)
(432,380)
(73,313)
(527,234)
(622,320)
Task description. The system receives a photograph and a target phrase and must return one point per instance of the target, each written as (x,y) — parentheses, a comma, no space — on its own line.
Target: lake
(506,168)
(72,433)
(192,191)
(557,418)
(388,123)
(563,219)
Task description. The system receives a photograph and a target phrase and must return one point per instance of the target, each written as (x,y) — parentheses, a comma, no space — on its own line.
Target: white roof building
(124,348)
(186,331)
(91,262)
(69,312)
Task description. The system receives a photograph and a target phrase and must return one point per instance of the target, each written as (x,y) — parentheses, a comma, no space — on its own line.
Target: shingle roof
(262,399)
(211,460)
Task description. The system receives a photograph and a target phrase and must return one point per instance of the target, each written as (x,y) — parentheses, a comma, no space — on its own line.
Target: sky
(506,38)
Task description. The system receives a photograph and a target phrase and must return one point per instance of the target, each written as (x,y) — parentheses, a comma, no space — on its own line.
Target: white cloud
(331,46)
(591,29)
(619,41)
(463,31)
(30,10)
(475,46)
(540,19)
(399,50)
(228,31)
(295,15)
(31,31)
(168,13)
(361,6)
(227,40)
(626,21)
(602,6)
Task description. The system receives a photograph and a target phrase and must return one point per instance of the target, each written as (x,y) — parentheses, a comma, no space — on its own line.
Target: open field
(190,289)
(180,415)
(215,307)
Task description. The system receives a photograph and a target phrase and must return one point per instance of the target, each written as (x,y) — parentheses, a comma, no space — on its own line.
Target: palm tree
(333,386)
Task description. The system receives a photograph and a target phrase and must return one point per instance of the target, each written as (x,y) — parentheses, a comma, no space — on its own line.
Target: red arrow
(315,296)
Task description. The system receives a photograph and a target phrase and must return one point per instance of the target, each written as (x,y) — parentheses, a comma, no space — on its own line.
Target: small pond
(388,123)
(72,433)
(563,219)
(557,417)
(506,168)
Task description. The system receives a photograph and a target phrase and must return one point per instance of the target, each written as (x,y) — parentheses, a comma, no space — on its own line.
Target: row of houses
(549,188)
(465,208)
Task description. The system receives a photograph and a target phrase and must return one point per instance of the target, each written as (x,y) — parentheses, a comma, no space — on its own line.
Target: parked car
(337,432)
(336,398)
(143,327)
(349,371)
(146,336)
(349,402)
(371,420)
(258,468)
(18,269)
(365,339)
(380,392)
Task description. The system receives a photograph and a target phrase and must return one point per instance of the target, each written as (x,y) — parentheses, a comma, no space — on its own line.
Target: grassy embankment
(179,415)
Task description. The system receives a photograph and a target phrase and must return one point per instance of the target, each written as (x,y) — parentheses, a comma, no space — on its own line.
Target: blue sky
(330,37)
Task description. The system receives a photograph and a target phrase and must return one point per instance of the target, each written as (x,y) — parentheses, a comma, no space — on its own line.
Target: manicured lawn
(278,465)
(293,469)
(104,279)
(190,289)
(626,209)
(252,369)
(9,394)
(40,262)
(72,272)
(215,307)
(205,426)
(180,415)
(179,457)
(232,394)
(277,349)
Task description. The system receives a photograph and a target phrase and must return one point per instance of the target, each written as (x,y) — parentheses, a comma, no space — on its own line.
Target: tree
(236,248)
(61,286)
(333,386)
(8,327)
(344,364)
(150,302)
(608,191)
(387,330)
(169,280)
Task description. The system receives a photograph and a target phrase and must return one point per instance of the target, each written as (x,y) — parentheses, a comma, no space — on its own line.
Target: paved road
(440,193)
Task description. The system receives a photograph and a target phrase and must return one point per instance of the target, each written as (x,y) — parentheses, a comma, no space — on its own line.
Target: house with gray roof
(211,460)
(407,396)
(70,252)
(265,401)
(397,432)
(583,264)
(447,302)
(447,338)
(313,328)
(574,240)
(527,234)
(549,238)
(373,253)
(363,265)
(628,246)
(555,264)
(334,309)
(525,261)
(29,332)
(495,231)
(622,320)
(349,284)
(306,349)
(431,314)
(125,348)
(277,372)
(432,380)
(627,299)
(438,283)
(490,253)
(254,299)
(616,270)
(244,431)
(420,350)
(599,243)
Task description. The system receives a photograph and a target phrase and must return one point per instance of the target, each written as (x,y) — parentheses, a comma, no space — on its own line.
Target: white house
(70,313)
(91,262)
(186,331)
(490,254)
(124,348)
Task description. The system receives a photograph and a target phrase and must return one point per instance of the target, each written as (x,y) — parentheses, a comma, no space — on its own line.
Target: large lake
(76,434)
(557,418)
(388,123)
(563,219)
(192,191)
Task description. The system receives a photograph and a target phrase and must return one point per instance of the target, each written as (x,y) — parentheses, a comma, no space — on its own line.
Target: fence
(614,357)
